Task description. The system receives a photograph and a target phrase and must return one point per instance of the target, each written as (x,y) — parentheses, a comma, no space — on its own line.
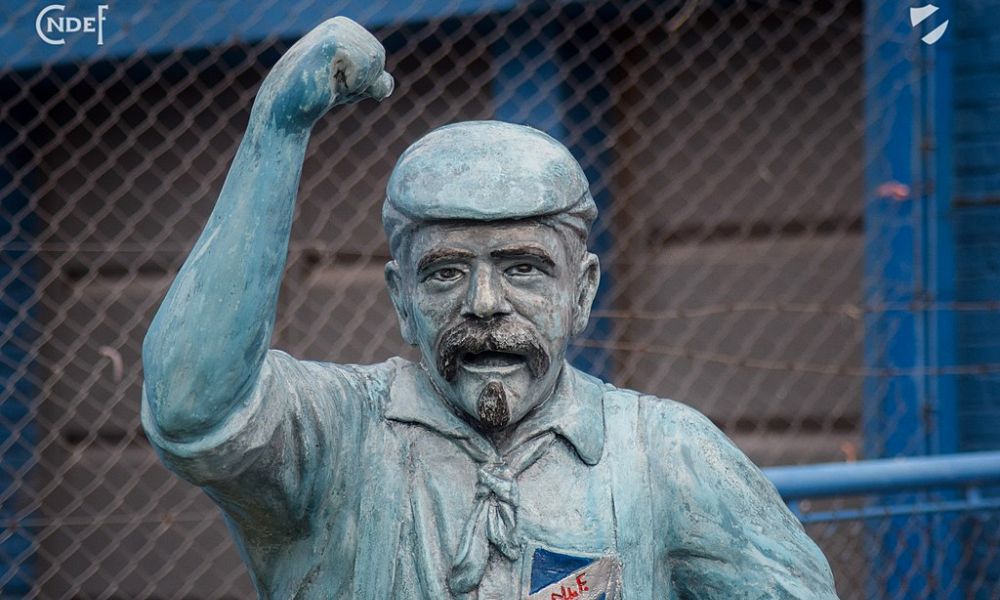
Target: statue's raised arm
(204,351)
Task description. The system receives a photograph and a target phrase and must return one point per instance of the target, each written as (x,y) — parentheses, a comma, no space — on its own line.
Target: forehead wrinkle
(440,254)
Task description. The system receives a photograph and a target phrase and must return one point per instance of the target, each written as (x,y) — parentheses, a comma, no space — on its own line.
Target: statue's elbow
(171,401)
(190,384)
(165,412)
(175,416)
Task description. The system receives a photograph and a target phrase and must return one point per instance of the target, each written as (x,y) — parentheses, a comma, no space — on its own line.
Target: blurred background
(799,230)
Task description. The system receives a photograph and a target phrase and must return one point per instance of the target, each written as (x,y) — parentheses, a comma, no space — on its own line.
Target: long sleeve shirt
(360,482)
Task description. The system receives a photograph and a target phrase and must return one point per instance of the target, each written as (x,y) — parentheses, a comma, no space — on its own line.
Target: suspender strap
(630,493)
(379,520)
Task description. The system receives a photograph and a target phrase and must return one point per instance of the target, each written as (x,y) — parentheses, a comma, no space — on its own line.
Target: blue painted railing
(968,473)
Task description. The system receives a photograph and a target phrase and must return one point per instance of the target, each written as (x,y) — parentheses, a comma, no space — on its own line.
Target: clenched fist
(336,63)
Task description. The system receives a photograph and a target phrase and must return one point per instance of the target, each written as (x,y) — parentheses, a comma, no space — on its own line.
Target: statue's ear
(586,290)
(394,280)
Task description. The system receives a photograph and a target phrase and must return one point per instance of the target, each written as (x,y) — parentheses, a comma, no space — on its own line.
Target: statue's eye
(446,274)
(522,269)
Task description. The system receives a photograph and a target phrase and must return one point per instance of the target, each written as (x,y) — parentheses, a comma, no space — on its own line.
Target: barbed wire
(745,362)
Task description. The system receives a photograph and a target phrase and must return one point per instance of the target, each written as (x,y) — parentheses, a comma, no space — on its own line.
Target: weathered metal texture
(491,468)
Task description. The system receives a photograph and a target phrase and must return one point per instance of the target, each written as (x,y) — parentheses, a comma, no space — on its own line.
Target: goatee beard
(494,412)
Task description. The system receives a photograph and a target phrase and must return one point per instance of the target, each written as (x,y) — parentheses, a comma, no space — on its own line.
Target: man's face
(492,307)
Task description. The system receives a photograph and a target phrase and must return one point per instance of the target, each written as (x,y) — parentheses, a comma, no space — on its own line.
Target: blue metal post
(909,406)
(832,480)
(975,35)
(937,280)
(537,67)
(892,412)
(893,421)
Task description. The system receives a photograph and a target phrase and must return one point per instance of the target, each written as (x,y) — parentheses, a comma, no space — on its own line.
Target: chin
(472,390)
(493,383)
(505,392)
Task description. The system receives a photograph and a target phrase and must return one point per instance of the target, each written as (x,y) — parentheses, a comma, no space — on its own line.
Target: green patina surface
(491,468)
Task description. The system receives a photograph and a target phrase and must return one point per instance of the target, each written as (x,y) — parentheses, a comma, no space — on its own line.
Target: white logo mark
(917,16)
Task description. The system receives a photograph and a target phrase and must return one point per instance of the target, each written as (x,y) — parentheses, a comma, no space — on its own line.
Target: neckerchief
(493,519)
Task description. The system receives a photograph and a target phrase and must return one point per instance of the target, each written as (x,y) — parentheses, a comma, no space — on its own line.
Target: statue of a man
(492,469)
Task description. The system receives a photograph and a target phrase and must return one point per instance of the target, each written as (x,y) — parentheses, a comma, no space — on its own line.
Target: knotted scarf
(493,520)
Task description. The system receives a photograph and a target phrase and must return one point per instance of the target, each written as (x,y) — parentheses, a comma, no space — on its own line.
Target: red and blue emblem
(559,576)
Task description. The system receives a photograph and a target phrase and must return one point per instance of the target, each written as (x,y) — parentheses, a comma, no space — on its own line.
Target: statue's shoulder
(371,382)
(666,421)
(385,371)
(281,360)
(649,406)
(674,437)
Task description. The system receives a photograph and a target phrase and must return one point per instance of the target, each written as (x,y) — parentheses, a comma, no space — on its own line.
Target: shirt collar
(575,411)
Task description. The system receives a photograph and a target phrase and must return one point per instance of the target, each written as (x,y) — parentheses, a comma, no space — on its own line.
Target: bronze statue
(491,468)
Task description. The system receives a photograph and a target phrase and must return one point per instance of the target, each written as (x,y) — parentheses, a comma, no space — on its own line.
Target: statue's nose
(485,297)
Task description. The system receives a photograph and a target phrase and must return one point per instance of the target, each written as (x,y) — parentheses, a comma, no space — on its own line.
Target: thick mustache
(495,335)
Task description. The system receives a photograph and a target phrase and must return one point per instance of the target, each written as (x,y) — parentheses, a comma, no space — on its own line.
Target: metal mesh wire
(915,555)
(724,141)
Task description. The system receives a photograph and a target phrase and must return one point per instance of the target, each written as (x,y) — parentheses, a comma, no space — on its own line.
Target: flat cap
(487,170)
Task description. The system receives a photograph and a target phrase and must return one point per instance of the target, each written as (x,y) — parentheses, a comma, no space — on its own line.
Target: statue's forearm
(207,343)
(203,353)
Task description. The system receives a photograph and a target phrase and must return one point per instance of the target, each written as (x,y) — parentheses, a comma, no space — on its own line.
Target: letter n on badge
(557,576)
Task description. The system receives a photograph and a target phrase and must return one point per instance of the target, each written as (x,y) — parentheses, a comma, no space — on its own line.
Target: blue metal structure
(931,217)
(911,405)
(949,487)
(975,205)
(969,473)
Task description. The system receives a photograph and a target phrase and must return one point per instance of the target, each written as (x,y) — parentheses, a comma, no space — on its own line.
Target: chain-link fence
(725,145)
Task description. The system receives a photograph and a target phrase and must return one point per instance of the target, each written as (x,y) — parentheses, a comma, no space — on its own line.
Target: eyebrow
(535,252)
(442,254)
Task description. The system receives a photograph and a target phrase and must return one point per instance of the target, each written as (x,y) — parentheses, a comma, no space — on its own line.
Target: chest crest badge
(559,576)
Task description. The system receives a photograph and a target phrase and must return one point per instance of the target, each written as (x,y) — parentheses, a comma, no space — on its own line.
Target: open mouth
(493,361)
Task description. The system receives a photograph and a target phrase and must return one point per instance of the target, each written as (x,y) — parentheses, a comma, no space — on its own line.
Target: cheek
(550,312)
(431,313)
